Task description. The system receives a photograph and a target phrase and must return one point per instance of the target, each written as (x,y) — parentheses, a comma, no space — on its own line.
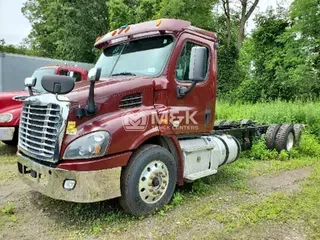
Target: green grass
(273,112)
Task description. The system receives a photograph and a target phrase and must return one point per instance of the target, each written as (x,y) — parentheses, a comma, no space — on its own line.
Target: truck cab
(11,102)
(141,125)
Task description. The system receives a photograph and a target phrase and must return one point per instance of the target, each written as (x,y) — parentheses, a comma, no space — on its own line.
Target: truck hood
(107,88)
(109,96)
(7,101)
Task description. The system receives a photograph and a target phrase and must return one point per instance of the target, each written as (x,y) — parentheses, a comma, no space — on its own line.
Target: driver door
(194,113)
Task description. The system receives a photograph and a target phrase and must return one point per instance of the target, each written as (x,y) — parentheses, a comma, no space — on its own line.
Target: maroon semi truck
(11,102)
(142,124)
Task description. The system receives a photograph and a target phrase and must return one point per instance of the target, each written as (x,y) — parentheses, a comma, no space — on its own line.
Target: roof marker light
(98,38)
(114,32)
(158,22)
(127,29)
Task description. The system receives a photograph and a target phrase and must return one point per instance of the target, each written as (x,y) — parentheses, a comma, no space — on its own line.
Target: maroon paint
(180,159)
(89,165)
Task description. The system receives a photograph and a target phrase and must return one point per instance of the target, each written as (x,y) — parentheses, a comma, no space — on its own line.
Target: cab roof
(161,25)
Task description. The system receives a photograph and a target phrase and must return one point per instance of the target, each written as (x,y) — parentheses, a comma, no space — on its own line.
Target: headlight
(88,146)
(6,117)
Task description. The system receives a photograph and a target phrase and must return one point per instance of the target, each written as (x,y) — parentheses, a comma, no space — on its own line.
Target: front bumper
(6,133)
(91,186)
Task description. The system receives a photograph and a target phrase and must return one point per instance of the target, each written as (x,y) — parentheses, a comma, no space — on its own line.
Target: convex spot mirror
(57,84)
(30,81)
(94,74)
(198,64)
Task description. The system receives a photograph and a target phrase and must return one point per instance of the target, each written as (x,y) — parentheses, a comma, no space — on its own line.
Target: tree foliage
(282,56)
(10,48)
(66,29)
(280,59)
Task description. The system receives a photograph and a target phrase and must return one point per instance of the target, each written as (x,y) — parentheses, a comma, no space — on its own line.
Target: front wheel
(148,181)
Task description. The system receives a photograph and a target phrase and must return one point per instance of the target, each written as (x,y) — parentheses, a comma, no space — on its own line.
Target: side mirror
(30,82)
(198,64)
(57,84)
(94,74)
(198,69)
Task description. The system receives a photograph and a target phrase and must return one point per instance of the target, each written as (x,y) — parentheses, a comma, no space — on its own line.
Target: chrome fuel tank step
(202,156)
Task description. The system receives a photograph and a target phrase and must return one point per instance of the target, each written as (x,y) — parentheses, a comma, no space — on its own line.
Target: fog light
(69,184)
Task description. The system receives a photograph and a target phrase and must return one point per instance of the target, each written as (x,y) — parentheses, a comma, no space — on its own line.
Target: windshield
(143,57)
(38,74)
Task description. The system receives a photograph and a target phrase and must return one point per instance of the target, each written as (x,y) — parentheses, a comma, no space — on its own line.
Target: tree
(9,48)
(66,29)
(240,15)
(281,59)
(306,18)
(246,12)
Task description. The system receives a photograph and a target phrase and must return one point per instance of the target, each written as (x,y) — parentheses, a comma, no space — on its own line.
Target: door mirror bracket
(182,90)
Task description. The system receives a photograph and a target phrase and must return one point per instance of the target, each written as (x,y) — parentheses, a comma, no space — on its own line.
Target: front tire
(148,181)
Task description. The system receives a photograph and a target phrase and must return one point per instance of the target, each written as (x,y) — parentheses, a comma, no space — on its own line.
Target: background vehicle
(14,68)
(11,102)
(142,124)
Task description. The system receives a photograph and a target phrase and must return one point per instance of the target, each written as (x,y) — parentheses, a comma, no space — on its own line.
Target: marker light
(127,29)
(114,32)
(98,38)
(158,22)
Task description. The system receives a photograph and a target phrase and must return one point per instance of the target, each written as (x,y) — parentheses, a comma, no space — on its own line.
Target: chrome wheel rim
(153,182)
(290,141)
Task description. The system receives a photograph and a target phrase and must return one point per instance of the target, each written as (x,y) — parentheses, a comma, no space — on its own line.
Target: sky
(14,27)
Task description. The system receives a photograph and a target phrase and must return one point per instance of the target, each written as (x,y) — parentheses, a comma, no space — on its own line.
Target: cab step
(202,174)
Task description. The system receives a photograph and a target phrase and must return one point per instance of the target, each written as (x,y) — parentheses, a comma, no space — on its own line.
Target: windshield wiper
(124,74)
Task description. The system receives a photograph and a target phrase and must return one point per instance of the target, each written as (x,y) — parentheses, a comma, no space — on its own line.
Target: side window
(64,72)
(183,63)
(76,76)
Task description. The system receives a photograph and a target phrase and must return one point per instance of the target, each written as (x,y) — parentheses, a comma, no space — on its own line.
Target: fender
(144,137)
(174,147)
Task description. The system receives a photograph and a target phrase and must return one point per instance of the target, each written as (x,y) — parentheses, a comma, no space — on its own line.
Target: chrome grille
(39,130)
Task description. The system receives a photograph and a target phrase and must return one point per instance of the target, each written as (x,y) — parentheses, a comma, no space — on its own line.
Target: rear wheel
(285,139)
(148,181)
(271,135)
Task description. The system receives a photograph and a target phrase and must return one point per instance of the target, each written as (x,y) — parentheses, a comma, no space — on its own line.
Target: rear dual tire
(283,137)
